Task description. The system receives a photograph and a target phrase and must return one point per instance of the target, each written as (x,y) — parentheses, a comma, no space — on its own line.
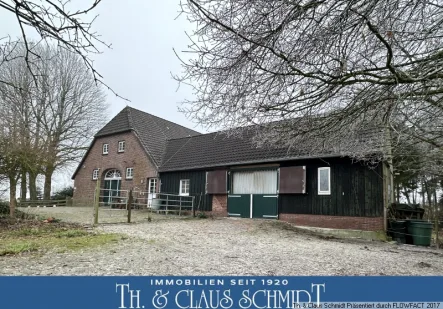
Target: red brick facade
(335,222)
(134,156)
(220,205)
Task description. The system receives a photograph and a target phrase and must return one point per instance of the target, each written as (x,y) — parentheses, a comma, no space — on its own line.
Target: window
(105,148)
(152,185)
(95,174)
(129,173)
(121,146)
(324,181)
(184,187)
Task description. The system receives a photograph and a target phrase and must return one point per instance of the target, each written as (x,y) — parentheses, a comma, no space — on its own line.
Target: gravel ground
(226,247)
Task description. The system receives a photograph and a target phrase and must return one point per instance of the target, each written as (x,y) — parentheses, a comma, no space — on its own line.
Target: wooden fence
(45,203)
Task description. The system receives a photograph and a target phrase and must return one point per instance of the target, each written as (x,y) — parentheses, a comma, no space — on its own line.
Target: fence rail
(163,202)
(45,203)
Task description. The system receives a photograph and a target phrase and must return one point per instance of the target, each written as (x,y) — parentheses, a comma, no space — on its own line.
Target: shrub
(63,193)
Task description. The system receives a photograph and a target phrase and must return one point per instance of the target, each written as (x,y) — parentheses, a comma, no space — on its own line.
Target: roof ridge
(198,135)
(163,119)
(130,121)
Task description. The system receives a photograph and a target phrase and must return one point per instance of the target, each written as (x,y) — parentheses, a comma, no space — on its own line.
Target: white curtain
(257,182)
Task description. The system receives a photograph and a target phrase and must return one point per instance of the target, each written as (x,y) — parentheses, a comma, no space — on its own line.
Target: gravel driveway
(228,247)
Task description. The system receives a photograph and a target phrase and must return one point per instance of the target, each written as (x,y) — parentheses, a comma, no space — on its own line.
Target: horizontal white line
(234,195)
(270,195)
(266,216)
(229,214)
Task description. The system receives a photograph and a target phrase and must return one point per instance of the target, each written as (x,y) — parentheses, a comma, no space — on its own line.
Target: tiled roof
(152,131)
(219,149)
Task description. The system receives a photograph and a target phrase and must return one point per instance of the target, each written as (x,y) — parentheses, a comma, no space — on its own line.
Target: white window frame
(95,174)
(129,175)
(329,180)
(182,181)
(150,181)
(121,146)
(107,148)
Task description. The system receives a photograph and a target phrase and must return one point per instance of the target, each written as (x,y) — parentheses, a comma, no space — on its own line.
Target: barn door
(254,194)
(265,198)
(239,205)
(265,206)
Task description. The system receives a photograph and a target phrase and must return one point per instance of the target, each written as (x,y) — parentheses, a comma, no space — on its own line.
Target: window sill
(324,193)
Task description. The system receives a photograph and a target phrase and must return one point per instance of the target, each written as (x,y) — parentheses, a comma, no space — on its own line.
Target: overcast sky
(139,65)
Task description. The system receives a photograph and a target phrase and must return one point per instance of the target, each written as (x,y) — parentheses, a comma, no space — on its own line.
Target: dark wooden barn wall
(170,183)
(356,190)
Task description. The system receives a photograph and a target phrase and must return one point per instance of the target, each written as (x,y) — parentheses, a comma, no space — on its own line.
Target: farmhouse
(230,176)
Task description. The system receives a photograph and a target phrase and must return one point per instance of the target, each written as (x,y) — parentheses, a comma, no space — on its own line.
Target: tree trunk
(48,182)
(12,196)
(32,186)
(406,194)
(23,184)
(398,192)
(414,196)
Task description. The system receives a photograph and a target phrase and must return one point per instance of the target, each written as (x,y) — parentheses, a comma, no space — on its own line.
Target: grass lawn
(24,236)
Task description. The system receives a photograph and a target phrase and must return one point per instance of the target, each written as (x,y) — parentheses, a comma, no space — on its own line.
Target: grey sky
(139,65)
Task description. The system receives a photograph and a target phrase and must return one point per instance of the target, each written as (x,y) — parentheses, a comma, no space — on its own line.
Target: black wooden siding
(356,190)
(170,183)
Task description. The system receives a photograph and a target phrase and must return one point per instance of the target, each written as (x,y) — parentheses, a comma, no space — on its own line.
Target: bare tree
(324,70)
(56,110)
(56,22)
(74,107)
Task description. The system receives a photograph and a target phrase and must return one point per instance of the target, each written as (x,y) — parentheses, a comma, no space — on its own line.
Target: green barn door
(239,205)
(265,206)
(254,194)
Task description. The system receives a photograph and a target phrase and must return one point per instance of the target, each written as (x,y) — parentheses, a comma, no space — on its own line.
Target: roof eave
(251,162)
(113,133)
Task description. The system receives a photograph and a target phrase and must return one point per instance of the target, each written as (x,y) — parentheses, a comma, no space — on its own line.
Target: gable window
(129,173)
(324,180)
(95,174)
(184,187)
(121,146)
(152,186)
(105,148)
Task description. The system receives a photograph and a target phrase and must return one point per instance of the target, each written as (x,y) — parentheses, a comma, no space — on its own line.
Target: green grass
(45,237)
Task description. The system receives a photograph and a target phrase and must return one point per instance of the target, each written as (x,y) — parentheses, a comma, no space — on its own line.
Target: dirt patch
(226,246)
(18,237)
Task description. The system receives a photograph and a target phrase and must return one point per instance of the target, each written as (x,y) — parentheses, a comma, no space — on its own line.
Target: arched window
(113,174)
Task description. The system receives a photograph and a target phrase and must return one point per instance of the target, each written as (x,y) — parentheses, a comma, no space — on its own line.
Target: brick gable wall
(134,156)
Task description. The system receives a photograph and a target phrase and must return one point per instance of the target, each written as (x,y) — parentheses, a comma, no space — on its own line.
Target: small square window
(95,174)
(105,148)
(121,146)
(184,187)
(129,173)
(324,181)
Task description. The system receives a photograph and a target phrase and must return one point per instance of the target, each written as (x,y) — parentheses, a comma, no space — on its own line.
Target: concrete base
(340,233)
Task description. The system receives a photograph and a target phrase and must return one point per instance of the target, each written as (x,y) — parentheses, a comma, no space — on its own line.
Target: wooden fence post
(96,201)
(129,205)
